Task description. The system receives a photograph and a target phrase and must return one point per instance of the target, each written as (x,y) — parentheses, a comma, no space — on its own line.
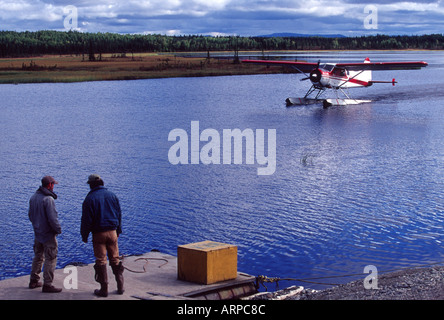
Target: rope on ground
(146,262)
(264,279)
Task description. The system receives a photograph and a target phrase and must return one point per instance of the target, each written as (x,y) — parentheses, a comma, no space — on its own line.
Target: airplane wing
(373,66)
(378,66)
(301,67)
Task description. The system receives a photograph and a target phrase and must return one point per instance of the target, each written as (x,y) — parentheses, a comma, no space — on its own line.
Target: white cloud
(410,6)
(244,17)
(29,10)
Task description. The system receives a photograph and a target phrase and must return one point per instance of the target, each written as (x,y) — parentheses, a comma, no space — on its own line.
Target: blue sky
(226,17)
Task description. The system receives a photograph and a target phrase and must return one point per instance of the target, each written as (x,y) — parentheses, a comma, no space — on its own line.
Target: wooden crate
(206,262)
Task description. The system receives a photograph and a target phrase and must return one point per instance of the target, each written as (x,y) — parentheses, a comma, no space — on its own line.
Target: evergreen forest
(23,44)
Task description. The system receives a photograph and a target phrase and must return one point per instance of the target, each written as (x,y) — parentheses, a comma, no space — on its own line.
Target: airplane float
(338,76)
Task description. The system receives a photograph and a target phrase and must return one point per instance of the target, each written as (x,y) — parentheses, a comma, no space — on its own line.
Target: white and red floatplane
(338,76)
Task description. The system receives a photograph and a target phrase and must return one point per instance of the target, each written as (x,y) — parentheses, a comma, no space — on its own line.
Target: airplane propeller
(315,74)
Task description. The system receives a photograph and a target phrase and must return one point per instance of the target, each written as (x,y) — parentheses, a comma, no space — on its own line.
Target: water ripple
(353,186)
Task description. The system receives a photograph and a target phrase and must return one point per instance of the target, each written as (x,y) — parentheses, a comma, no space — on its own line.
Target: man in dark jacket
(102,216)
(44,217)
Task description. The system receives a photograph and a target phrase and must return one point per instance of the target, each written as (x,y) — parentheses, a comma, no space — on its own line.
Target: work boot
(50,289)
(118,273)
(101,277)
(34,284)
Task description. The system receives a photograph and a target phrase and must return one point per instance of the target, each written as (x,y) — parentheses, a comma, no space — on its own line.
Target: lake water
(354,186)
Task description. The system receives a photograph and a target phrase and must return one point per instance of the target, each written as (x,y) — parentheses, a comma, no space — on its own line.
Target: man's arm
(52,215)
(86,221)
(119,227)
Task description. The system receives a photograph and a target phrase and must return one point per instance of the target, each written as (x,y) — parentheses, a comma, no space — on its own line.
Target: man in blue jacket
(102,216)
(44,217)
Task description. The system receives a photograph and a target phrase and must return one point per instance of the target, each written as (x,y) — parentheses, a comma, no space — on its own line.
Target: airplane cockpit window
(340,72)
(327,67)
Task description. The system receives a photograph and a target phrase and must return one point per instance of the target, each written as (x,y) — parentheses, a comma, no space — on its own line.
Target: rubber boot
(118,273)
(101,277)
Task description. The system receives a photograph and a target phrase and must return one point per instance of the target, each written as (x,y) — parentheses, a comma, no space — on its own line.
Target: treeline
(19,44)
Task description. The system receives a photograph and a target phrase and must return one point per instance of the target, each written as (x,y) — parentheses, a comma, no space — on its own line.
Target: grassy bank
(118,67)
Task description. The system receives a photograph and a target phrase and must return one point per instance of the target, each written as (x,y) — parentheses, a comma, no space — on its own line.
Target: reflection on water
(353,186)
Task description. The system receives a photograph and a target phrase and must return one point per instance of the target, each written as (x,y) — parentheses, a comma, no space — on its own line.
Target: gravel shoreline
(407,284)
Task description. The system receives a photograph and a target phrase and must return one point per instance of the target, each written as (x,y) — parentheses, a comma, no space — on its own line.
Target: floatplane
(338,76)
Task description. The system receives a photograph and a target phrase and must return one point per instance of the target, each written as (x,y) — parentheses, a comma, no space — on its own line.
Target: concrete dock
(151,276)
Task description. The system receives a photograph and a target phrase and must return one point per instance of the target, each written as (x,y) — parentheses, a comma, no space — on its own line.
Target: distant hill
(301,35)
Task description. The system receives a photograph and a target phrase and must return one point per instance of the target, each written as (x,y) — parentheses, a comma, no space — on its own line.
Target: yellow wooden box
(206,262)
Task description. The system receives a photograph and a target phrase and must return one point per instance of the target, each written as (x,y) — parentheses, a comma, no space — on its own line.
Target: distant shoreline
(71,68)
(76,68)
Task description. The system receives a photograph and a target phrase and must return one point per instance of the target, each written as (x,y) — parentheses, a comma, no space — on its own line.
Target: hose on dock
(146,262)
(261,280)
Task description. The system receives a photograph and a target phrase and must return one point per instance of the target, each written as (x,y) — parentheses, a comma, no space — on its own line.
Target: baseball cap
(92,178)
(47,180)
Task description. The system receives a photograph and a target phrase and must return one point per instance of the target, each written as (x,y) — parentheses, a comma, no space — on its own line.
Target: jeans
(44,253)
(103,243)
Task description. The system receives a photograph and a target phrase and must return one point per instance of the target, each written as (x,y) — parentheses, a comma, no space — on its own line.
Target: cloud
(29,10)
(242,17)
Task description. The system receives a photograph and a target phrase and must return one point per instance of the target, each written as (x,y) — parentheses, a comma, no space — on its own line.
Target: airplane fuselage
(332,77)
